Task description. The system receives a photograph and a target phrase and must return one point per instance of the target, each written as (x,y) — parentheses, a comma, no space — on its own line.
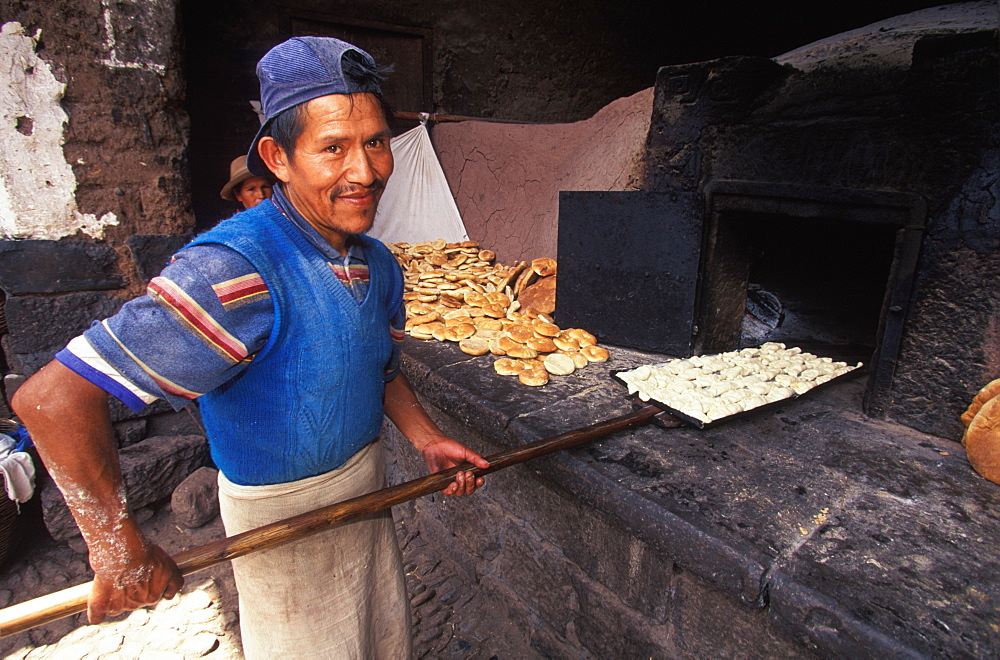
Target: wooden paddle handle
(44,609)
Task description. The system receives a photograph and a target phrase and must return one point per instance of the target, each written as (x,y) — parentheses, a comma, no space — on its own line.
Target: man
(283,322)
(244,187)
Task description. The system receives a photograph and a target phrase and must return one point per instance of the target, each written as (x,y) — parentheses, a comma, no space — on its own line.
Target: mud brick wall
(114,123)
(125,136)
(506,178)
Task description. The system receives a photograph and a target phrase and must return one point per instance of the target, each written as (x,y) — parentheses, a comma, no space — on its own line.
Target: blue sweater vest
(312,396)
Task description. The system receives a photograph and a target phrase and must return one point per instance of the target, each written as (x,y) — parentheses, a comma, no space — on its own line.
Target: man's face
(252,192)
(341,163)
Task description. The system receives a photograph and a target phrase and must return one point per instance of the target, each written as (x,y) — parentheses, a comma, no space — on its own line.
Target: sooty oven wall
(927,131)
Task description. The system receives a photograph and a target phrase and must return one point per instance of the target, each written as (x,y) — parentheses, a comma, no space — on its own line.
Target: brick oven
(842,203)
(842,197)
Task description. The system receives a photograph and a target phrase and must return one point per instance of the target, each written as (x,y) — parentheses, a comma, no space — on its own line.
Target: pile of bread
(710,387)
(982,432)
(455,292)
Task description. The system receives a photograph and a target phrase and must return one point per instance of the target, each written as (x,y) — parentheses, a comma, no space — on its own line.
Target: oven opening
(829,270)
(818,283)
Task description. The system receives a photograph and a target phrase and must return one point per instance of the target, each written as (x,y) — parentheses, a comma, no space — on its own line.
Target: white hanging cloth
(417,204)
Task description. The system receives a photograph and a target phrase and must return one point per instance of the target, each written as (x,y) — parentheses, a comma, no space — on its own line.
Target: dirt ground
(451,618)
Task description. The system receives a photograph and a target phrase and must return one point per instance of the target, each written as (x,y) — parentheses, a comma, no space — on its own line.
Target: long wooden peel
(42,610)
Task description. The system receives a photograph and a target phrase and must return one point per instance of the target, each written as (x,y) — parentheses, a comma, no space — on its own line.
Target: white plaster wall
(37,185)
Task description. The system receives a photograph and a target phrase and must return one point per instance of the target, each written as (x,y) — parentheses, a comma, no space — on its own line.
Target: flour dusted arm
(69,423)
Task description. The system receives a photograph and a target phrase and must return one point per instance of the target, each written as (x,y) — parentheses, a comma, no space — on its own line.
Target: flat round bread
(544,266)
(505,344)
(533,376)
(595,353)
(545,329)
(520,351)
(421,332)
(498,298)
(486,323)
(463,331)
(476,299)
(982,440)
(567,344)
(990,391)
(559,364)
(474,346)
(508,367)
(582,336)
(520,333)
(541,344)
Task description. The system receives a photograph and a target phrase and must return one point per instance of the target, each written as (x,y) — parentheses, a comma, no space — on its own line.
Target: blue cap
(304,68)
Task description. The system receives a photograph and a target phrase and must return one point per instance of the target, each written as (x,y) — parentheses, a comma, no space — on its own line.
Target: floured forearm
(68,419)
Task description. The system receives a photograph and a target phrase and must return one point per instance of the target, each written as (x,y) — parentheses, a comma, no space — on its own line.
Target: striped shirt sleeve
(198,326)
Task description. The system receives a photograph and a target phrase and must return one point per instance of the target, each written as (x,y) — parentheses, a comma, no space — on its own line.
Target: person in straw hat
(246,188)
(285,323)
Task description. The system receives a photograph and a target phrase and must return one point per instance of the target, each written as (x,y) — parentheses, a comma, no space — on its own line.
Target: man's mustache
(376,186)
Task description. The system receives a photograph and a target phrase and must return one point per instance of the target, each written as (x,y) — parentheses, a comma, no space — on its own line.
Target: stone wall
(94,93)
(113,128)
(525,61)
(572,579)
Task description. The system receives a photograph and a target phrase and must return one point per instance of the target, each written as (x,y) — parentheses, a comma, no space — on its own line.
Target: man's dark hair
(288,126)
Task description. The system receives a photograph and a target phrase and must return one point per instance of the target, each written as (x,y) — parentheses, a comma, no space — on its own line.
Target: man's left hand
(444,453)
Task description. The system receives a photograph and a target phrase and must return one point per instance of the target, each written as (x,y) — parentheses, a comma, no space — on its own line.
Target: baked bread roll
(579,359)
(534,376)
(474,346)
(982,440)
(545,329)
(508,367)
(520,333)
(544,266)
(595,353)
(988,392)
(522,352)
(566,344)
(559,364)
(541,344)
(583,337)
(540,297)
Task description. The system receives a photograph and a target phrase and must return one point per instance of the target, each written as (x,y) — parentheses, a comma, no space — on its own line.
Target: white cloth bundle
(18,470)
(417,204)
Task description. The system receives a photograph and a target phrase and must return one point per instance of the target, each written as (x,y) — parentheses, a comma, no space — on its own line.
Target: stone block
(587,538)
(707,622)
(57,267)
(47,323)
(152,253)
(130,431)
(152,469)
(607,627)
(195,501)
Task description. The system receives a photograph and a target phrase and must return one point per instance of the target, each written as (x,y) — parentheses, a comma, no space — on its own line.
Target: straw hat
(238,173)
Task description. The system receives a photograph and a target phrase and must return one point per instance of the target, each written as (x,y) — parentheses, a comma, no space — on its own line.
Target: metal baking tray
(697,423)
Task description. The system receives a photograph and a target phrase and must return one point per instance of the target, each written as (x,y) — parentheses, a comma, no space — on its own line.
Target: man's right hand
(133,582)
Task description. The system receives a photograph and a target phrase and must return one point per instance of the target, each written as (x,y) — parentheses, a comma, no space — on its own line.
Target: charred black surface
(819,515)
